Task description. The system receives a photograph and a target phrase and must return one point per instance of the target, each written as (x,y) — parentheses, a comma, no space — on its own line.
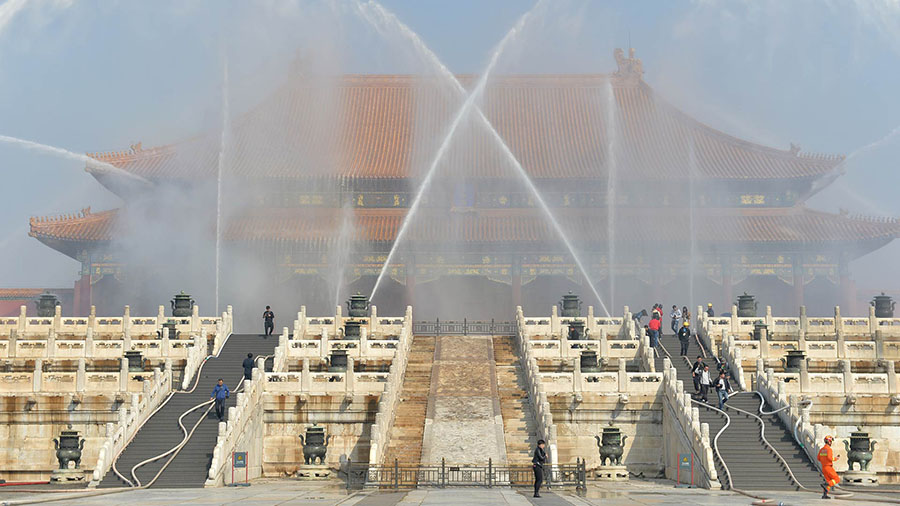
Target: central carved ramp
(464,424)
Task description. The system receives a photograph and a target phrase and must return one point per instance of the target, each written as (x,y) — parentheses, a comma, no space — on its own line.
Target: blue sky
(101,75)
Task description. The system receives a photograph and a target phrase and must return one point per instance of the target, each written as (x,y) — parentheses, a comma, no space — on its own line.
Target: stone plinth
(612,473)
(66,476)
(862,478)
(311,472)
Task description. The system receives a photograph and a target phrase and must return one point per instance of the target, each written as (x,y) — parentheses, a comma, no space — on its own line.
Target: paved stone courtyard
(284,492)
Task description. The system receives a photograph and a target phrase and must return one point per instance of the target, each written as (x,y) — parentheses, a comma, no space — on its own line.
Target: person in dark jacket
(248,367)
(723,388)
(696,371)
(537,465)
(709,310)
(684,336)
(219,394)
(269,319)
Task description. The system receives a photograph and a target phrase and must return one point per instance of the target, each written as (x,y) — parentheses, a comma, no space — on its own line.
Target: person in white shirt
(675,315)
(705,382)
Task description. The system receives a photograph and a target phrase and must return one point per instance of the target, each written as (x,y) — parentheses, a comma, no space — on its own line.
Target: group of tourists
(680,323)
(703,380)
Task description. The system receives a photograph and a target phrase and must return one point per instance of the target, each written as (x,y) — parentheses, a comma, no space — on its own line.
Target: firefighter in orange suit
(827,459)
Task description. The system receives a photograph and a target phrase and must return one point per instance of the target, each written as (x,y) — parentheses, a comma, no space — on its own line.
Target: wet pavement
(331,493)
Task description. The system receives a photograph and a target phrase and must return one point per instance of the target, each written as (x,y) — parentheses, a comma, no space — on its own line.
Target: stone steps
(518,417)
(405,440)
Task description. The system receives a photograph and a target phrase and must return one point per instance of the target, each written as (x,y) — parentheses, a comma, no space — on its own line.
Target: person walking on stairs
(675,315)
(219,394)
(723,388)
(684,336)
(537,465)
(827,459)
(696,371)
(269,319)
(704,384)
(247,364)
(654,327)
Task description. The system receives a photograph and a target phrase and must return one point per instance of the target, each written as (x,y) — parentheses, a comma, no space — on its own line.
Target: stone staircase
(518,416)
(751,463)
(405,443)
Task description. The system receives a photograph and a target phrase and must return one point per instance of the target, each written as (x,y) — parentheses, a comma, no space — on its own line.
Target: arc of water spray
(469,104)
(223,140)
(611,190)
(874,145)
(65,153)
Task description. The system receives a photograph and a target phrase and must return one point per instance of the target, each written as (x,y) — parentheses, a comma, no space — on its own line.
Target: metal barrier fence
(463,328)
(404,476)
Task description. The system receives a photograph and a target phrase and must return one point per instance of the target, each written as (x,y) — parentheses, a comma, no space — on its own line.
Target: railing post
(465,326)
(396,473)
(490,472)
(437,326)
(443,474)
(349,473)
(583,476)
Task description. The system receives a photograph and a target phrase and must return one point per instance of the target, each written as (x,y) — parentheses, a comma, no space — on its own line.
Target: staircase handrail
(386,415)
(544,425)
(804,432)
(716,442)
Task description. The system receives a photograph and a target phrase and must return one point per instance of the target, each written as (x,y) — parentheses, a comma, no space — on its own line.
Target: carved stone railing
(374,327)
(687,420)
(544,425)
(246,411)
(107,338)
(774,391)
(385,416)
(732,355)
(803,327)
(80,327)
(196,354)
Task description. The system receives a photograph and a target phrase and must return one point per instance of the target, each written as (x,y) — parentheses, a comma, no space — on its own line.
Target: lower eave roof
(321,226)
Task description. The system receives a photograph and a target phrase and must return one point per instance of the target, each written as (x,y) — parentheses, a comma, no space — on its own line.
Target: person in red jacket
(654,326)
(827,459)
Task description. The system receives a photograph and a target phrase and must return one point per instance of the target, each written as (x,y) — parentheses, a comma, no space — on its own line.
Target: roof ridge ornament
(631,69)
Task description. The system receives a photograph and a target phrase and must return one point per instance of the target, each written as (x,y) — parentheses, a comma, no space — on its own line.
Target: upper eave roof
(388,126)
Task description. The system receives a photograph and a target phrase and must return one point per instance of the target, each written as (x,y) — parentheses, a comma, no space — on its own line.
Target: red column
(516,287)
(727,289)
(798,285)
(848,288)
(81,303)
(410,284)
